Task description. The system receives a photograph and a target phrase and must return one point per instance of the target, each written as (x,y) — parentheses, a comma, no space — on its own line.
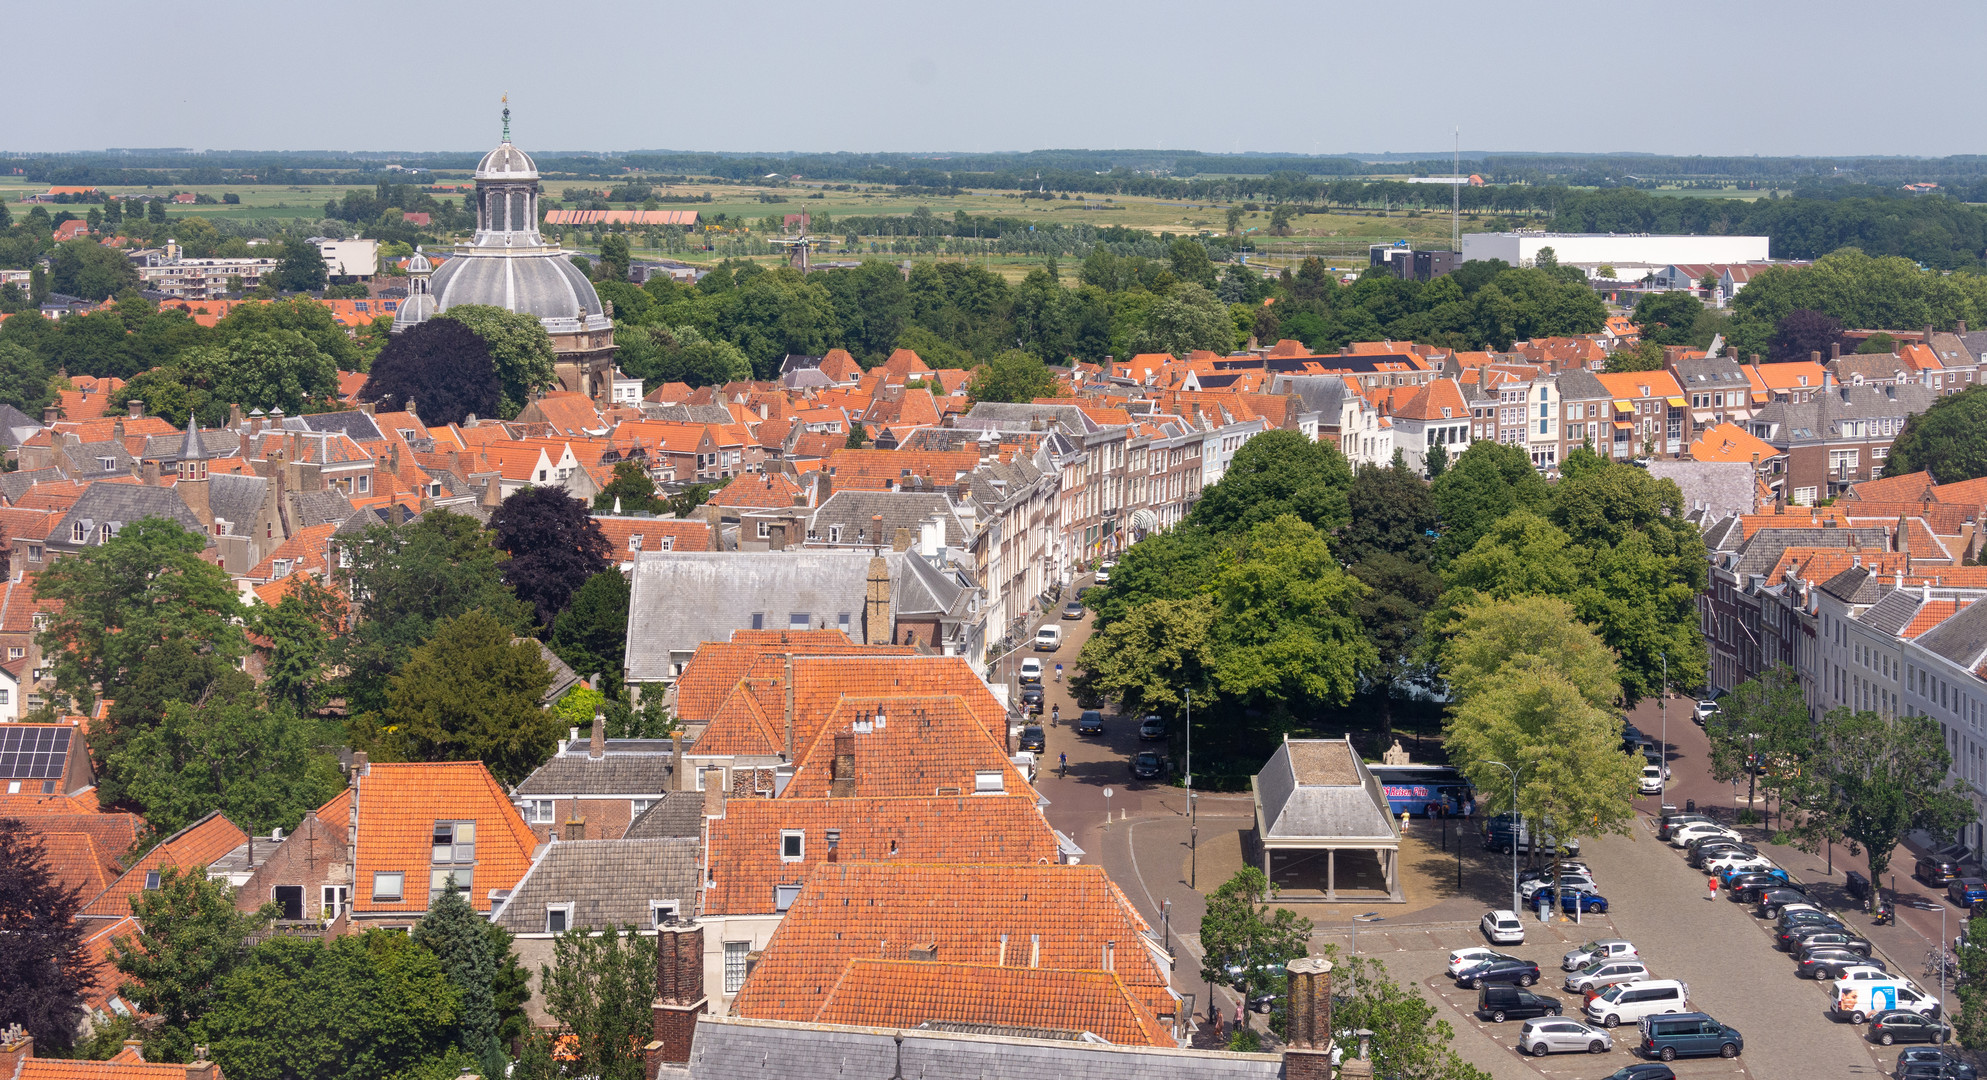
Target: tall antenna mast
(1456,198)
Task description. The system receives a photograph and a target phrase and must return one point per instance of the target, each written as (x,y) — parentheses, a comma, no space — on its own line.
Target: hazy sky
(1325,76)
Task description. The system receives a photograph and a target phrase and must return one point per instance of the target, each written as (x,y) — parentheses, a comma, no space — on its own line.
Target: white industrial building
(1620,250)
(349,258)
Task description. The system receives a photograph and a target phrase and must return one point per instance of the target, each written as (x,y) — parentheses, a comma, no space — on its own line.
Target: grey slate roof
(1818,420)
(1724,534)
(1856,585)
(13,485)
(1704,375)
(1323,394)
(119,505)
(16,426)
(923,589)
(236,498)
(218,442)
(900,509)
(680,813)
(574,772)
(1317,789)
(689,414)
(1893,613)
(352,422)
(1961,638)
(564,678)
(1003,416)
(608,883)
(1580,383)
(682,598)
(736,1048)
(1718,488)
(321,508)
(86,459)
(1766,545)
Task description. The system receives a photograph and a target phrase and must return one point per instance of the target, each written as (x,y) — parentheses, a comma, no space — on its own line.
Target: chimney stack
(713,793)
(1835,351)
(49,415)
(842,777)
(575,826)
(150,472)
(679,993)
(676,761)
(16,1046)
(136,408)
(596,746)
(1308,1056)
(200,1068)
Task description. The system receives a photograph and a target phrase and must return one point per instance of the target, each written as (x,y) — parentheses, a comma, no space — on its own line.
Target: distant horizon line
(1378,157)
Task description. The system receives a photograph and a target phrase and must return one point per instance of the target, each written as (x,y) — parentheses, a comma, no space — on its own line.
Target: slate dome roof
(506,162)
(540,282)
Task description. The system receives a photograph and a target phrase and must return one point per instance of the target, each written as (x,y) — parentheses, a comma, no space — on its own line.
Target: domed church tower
(507,264)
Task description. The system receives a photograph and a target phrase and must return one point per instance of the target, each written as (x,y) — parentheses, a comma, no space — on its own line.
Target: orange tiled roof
(625,533)
(1730,442)
(715,668)
(305,551)
(38,1068)
(398,807)
(821,681)
(1931,614)
(194,846)
(926,743)
(764,491)
(747,858)
(83,849)
(1051,916)
(908,993)
(1799,375)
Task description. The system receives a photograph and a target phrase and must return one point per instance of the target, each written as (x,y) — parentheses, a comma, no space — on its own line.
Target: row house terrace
(1839,436)
(1650,414)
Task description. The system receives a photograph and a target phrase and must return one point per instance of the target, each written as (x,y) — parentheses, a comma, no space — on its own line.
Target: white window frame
(799,837)
(661,911)
(394,896)
(542,811)
(735,953)
(564,911)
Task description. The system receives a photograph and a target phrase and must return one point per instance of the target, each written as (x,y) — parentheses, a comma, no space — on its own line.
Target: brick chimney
(50,414)
(200,1068)
(679,994)
(713,793)
(149,472)
(1835,351)
(1308,1056)
(842,774)
(876,628)
(16,1046)
(676,762)
(136,408)
(575,828)
(596,744)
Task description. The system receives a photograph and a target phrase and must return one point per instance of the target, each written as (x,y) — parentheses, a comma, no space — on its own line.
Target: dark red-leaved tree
(442,366)
(44,968)
(1801,332)
(554,544)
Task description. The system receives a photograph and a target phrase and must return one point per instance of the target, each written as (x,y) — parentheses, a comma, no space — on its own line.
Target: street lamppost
(1193,822)
(1515,819)
(1663,762)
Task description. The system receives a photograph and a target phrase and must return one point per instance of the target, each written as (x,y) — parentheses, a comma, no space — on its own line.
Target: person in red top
(1713,894)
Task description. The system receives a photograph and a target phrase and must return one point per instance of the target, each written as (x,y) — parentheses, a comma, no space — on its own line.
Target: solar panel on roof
(33,753)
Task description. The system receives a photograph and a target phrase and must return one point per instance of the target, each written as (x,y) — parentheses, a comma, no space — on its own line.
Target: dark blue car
(1967,891)
(1571,902)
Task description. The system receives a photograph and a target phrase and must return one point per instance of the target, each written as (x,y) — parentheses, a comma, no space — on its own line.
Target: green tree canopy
(262,768)
(1153,656)
(1286,633)
(1276,473)
(1243,931)
(1486,481)
(472,692)
(591,635)
(1870,779)
(86,269)
(520,349)
(300,269)
(601,989)
(1013,376)
(1948,440)
(189,938)
(475,955)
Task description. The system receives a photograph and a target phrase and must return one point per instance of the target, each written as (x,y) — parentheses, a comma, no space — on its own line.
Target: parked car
(1935,870)
(1902,1025)
(1809,940)
(1048,638)
(1643,1070)
(1741,879)
(1501,832)
(1148,765)
(1611,949)
(1033,738)
(1785,935)
(1103,575)
(1531,888)
(1571,902)
(1689,1035)
(1704,710)
(1552,1035)
(1699,830)
(1503,927)
(1152,727)
(1966,891)
(1499,1002)
(1510,969)
(1090,723)
(1566,866)
(1672,822)
(1601,973)
(1031,699)
(1713,848)
(1031,672)
(1736,860)
(1930,1063)
(1471,957)
(1773,899)
(1823,961)
(1652,780)
(1073,610)
(1870,970)
(1633,1001)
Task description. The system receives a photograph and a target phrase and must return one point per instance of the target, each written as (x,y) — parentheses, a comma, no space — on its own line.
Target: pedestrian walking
(1062,766)
(1713,893)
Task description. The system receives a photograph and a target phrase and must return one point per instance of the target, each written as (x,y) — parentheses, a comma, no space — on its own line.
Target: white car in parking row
(1614,949)
(1551,1034)
(1737,860)
(1697,830)
(1503,927)
(1581,882)
(1470,957)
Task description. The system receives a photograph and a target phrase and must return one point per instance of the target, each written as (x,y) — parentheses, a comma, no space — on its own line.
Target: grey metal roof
(1316,789)
(924,589)
(679,813)
(607,882)
(736,1048)
(352,422)
(236,498)
(682,598)
(1961,638)
(1719,488)
(193,448)
(854,510)
(118,505)
(575,772)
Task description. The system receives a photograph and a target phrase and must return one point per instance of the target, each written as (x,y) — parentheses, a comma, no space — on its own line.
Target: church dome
(540,282)
(506,162)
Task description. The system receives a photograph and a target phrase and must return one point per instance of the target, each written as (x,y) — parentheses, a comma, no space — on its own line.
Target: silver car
(1609,949)
(1605,973)
(1556,1034)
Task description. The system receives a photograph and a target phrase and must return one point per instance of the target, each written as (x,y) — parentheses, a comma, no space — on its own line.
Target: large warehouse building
(1613,249)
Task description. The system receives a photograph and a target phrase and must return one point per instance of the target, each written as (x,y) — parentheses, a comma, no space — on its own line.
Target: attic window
(635,542)
(661,912)
(388,887)
(797,620)
(784,896)
(151,879)
(77,534)
(793,845)
(558,918)
(107,463)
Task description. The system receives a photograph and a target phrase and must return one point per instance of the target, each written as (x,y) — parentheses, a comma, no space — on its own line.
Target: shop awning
(1623,425)
(1624,406)
(1676,403)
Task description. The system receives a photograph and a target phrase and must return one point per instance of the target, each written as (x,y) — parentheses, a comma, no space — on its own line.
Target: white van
(1048,639)
(1860,1000)
(1630,1002)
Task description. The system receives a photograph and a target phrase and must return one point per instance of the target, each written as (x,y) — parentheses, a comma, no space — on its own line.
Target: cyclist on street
(1062,767)
(1058,672)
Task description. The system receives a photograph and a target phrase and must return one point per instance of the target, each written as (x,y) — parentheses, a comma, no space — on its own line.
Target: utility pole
(1516,821)
(1663,765)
